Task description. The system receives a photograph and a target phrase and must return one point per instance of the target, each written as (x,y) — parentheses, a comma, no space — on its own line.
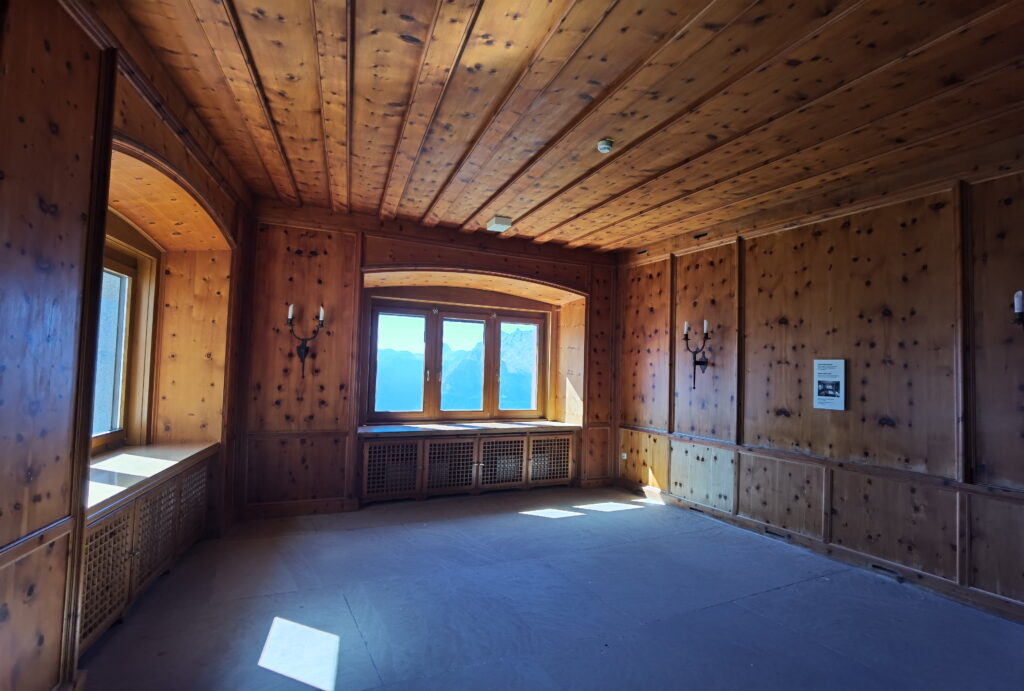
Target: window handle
(428,375)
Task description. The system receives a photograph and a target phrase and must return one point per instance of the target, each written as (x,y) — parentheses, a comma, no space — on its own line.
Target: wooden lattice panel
(192,506)
(502,461)
(155,522)
(392,468)
(550,458)
(450,464)
(106,573)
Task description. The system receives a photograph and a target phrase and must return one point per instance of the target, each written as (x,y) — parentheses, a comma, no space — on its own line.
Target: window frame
(117,436)
(435,314)
(142,268)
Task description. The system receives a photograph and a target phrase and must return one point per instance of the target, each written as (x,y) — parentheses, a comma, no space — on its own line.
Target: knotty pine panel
(381,251)
(706,289)
(568,393)
(191,346)
(136,123)
(644,341)
(997,546)
(878,289)
(780,493)
(997,218)
(597,447)
(49,78)
(32,617)
(295,468)
(903,522)
(702,474)
(600,345)
(307,268)
(647,458)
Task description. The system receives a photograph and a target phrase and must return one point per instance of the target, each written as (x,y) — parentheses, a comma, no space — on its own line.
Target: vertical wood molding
(966,412)
(92,271)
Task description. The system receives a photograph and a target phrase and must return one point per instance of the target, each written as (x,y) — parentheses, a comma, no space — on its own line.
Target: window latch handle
(428,375)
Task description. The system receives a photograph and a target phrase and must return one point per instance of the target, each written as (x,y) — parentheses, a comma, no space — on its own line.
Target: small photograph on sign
(830,384)
(829,388)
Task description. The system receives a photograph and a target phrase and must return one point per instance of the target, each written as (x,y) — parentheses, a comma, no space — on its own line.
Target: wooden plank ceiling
(448,112)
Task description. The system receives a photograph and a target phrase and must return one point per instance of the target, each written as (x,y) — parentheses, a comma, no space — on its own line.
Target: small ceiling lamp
(499,224)
(605,145)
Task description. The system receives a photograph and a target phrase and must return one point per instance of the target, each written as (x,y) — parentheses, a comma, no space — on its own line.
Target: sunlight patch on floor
(301,653)
(652,497)
(608,506)
(552,513)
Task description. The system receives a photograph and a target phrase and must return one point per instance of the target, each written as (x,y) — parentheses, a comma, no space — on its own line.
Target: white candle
(291,310)
(705,326)
(686,327)
(1018,301)
(321,312)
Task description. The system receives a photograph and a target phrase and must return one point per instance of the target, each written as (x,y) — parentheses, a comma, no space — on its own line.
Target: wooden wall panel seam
(1010,494)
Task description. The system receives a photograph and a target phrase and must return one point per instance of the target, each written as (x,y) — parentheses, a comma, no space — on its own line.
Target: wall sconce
(302,350)
(1018,308)
(699,358)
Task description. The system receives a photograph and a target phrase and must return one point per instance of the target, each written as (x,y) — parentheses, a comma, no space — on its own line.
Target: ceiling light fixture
(499,224)
(605,145)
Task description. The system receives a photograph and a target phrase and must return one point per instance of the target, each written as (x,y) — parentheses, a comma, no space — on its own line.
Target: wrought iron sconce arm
(302,350)
(700,358)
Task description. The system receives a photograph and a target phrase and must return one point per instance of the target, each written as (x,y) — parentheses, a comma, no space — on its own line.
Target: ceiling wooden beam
(721,36)
(843,106)
(561,44)
(504,39)
(221,29)
(793,102)
(440,58)
(921,157)
(388,37)
(281,38)
(332,21)
(973,166)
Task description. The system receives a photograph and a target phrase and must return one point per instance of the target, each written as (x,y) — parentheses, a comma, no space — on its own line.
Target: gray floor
(467,593)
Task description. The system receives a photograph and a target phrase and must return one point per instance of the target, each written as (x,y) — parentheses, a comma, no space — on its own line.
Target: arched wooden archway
(451,278)
(159,206)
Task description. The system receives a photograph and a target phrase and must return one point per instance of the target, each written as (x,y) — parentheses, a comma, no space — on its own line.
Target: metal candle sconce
(1018,308)
(302,350)
(699,358)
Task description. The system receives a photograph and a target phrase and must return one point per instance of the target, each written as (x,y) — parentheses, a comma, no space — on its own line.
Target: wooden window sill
(120,475)
(447,429)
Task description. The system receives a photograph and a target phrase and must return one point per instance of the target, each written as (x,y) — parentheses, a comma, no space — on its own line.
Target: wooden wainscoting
(919,476)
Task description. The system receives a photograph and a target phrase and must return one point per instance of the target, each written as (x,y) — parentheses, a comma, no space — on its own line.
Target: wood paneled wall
(56,87)
(189,376)
(644,316)
(921,473)
(300,428)
(301,443)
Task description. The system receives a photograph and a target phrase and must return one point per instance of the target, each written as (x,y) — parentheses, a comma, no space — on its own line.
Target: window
(111,361)
(124,348)
(520,366)
(455,362)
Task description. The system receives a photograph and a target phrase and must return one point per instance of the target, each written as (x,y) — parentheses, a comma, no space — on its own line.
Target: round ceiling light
(605,145)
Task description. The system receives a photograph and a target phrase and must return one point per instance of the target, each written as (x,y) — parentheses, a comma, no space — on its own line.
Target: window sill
(119,475)
(447,429)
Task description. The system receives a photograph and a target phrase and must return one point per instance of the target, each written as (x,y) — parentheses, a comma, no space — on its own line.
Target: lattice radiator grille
(391,467)
(107,567)
(450,464)
(155,521)
(550,458)
(501,461)
(192,511)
